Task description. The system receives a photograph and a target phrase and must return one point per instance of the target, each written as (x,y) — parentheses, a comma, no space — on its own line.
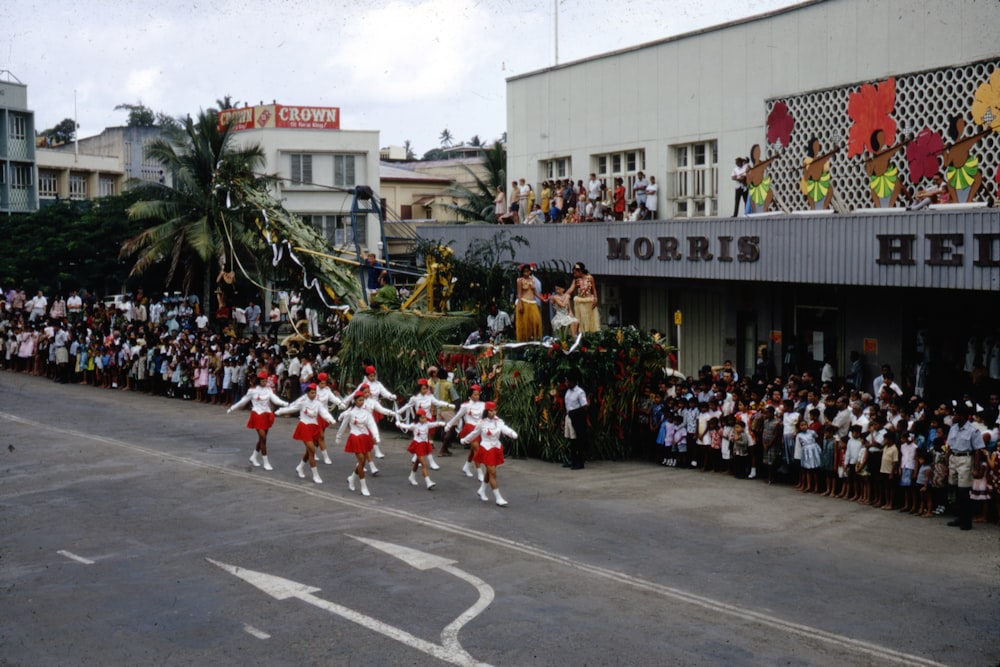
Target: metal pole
(555,11)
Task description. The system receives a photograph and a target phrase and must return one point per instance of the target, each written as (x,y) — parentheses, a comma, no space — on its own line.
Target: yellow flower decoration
(986,105)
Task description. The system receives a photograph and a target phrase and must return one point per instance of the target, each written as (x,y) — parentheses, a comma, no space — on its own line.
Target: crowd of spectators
(566,201)
(869,444)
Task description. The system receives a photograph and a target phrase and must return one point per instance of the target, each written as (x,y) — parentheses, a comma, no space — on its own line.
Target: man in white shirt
(651,191)
(594,190)
(74,307)
(576,429)
(639,189)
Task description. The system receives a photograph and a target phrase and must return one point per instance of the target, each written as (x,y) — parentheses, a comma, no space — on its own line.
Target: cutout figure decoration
(962,169)
(883,176)
(816,184)
(759,184)
(779,125)
(869,110)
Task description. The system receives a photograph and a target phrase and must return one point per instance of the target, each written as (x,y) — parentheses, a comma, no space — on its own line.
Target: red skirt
(468,428)
(489,457)
(323,424)
(261,421)
(358,444)
(307,432)
(420,448)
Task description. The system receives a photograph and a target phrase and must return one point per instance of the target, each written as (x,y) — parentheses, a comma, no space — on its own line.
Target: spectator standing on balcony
(546,200)
(594,190)
(515,203)
(639,189)
(524,196)
(740,178)
(500,206)
(619,199)
(558,202)
(651,191)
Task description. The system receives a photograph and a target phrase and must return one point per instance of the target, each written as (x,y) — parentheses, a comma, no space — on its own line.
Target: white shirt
(426,402)
(309,410)
(260,399)
(490,431)
(470,412)
(326,396)
(421,430)
(575,398)
(357,421)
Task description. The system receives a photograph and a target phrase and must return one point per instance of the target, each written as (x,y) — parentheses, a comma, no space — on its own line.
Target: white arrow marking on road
(282,589)
(422,560)
(78,559)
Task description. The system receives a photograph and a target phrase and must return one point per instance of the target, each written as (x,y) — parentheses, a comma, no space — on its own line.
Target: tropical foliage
(476,203)
(198,219)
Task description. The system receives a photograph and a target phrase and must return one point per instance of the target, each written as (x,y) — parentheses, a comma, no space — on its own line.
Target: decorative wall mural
(957,109)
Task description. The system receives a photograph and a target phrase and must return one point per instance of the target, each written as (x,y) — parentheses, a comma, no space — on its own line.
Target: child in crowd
(665,438)
(711,445)
(828,459)
(925,473)
(740,450)
(907,474)
(725,452)
(681,440)
(862,478)
(939,478)
(810,458)
(889,470)
(980,491)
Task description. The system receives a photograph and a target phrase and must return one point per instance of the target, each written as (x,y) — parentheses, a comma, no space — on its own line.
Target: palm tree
(198,220)
(408,147)
(446,138)
(477,203)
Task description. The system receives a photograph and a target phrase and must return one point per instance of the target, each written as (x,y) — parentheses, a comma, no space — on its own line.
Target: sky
(408,68)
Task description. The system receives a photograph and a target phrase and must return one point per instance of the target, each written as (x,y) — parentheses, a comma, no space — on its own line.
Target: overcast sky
(408,68)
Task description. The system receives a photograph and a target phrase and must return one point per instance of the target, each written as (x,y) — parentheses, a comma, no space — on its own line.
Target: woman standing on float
(490,452)
(261,416)
(363,434)
(329,400)
(311,413)
(469,415)
(584,293)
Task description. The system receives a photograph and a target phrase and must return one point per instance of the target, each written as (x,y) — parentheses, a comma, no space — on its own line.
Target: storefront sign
(692,248)
(942,249)
(280,116)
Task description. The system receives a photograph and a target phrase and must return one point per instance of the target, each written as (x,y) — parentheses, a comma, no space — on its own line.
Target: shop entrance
(816,338)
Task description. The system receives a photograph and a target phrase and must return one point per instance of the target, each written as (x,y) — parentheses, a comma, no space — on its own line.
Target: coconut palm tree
(476,203)
(198,219)
(446,138)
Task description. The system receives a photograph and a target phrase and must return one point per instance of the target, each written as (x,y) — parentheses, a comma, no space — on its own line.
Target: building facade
(18,185)
(845,113)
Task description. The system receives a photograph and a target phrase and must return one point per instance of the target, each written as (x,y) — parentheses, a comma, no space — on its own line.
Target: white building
(803,287)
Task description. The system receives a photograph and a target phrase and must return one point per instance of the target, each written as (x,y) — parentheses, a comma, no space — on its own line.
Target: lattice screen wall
(925,99)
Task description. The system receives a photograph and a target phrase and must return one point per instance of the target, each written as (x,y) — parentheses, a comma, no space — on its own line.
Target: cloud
(415,51)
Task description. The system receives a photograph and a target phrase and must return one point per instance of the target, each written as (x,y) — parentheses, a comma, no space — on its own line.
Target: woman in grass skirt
(261,417)
(490,452)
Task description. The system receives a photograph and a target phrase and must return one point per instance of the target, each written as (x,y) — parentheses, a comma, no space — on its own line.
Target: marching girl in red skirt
(330,400)
(362,434)
(490,452)
(377,392)
(376,410)
(469,415)
(420,446)
(261,418)
(311,413)
(426,401)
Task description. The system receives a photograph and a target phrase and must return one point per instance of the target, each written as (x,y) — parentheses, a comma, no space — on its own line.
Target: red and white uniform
(260,400)
(373,406)
(311,412)
(490,450)
(329,399)
(362,429)
(469,414)
(426,402)
(377,390)
(421,443)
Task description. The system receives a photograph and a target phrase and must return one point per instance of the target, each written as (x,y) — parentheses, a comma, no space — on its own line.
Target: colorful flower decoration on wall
(923,154)
(779,125)
(869,109)
(986,104)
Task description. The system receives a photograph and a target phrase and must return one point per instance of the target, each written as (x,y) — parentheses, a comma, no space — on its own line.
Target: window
(107,186)
(694,182)
(625,165)
(302,168)
(17,127)
(337,229)
(77,186)
(21,177)
(556,168)
(48,184)
(343,171)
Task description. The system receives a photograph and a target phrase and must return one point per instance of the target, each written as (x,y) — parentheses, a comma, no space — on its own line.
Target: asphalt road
(133,531)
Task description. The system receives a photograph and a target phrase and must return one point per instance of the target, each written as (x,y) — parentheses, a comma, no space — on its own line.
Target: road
(135,532)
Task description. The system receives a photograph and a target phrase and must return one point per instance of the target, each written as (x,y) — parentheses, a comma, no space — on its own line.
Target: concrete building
(18,185)
(318,164)
(850,105)
(77,176)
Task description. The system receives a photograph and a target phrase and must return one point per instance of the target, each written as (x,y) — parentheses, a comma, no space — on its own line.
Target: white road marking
(875,651)
(282,589)
(78,559)
(259,634)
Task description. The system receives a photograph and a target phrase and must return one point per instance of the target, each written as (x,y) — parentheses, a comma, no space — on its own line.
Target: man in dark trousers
(577,430)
